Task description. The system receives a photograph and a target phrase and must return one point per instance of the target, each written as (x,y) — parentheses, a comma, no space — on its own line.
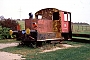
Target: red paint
(64,24)
(45,26)
(27,23)
(18,27)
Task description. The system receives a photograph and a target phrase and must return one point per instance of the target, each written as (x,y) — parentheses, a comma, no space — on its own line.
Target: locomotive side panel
(45,26)
(27,24)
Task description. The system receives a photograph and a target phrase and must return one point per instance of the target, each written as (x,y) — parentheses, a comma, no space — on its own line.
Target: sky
(19,9)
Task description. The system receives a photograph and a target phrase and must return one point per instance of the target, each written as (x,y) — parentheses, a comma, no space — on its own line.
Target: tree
(2,18)
(12,24)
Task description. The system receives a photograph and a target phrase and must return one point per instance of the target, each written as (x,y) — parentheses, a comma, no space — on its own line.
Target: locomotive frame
(55,25)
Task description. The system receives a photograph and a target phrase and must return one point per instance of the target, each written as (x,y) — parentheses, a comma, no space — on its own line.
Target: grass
(81,38)
(8,41)
(79,53)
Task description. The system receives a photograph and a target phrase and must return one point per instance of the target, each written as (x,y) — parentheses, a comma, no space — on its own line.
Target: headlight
(27,31)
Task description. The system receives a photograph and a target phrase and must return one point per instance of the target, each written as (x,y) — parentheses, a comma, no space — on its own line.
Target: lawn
(78,53)
(8,41)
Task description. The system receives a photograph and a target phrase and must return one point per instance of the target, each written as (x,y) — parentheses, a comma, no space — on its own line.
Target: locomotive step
(54,39)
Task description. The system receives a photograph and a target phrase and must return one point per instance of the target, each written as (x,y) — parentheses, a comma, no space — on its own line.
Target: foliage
(2,18)
(4,33)
(5,26)
(12,24)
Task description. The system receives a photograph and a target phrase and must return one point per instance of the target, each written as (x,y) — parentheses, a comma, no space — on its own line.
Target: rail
(81,36)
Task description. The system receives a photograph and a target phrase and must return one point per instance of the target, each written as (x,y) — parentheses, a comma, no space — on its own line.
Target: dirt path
(9,56)
(64,46)
(4,45)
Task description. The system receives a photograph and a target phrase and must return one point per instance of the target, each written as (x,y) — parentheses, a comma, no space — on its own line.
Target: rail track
(84,38)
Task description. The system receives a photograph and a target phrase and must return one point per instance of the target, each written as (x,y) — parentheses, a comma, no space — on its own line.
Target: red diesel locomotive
(50,24)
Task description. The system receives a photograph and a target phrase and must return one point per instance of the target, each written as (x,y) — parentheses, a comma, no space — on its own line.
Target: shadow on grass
(80,40)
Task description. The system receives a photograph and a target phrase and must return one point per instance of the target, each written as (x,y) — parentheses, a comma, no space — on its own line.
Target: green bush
(4,33)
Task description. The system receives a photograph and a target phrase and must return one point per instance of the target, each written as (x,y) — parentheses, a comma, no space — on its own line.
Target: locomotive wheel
(32,45)
(39,44)
(66,38)
(28,43)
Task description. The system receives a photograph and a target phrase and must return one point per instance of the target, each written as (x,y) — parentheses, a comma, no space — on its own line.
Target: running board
(55,39)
